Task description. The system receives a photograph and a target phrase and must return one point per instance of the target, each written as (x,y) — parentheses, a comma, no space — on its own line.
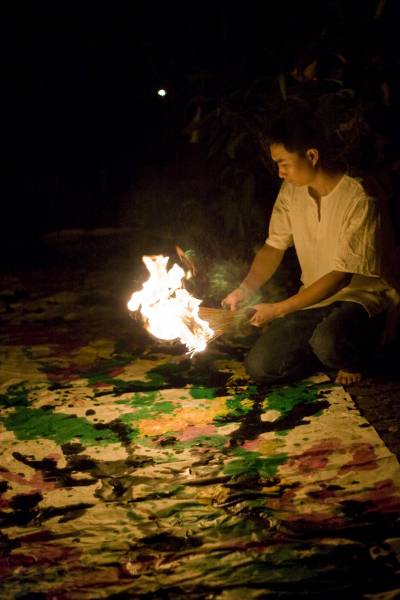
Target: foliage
(345,81)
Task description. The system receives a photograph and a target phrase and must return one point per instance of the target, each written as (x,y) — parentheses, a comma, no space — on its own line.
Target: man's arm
(264,265)
(323,288)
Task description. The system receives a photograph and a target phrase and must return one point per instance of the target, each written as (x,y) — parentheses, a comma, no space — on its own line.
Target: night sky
(82,118)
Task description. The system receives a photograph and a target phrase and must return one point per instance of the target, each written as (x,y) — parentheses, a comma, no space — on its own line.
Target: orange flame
(168,311)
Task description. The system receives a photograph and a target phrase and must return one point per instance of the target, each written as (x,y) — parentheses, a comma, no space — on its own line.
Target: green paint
(167,371)
(154,382)
(257,503)
(215,441)
(176,508)
(165,407)
(183,373)
(252,463)
(138,399)
(238,406)
(100,373)
(285,399)
(245,528)
(108,364)
(200,393)
(103,366)
(120,385)
(17,395)
(30,424)
(134,433)
(319,413)
(132,516)
(147,406)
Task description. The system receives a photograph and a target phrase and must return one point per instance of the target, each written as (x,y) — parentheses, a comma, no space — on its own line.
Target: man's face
(292,167)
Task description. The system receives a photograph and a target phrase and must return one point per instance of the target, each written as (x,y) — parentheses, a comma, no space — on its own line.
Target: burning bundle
(221,320)
(169,312)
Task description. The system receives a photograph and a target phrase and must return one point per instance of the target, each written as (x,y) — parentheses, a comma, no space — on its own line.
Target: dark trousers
(338,336)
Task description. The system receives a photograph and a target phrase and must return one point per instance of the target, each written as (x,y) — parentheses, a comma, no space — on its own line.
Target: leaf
(282,85)
(248,189)
(234,144)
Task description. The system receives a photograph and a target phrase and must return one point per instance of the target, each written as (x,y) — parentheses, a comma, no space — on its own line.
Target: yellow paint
(87,355)
(17,367)
(184,417)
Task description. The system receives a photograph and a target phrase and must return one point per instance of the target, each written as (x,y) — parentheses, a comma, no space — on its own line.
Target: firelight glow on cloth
(147,474)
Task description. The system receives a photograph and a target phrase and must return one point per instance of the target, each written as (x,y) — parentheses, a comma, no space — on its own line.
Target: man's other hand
(264,313)
(235,299)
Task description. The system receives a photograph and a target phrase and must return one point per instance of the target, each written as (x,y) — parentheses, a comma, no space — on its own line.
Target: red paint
(195,431)
(364,458)
(36,482)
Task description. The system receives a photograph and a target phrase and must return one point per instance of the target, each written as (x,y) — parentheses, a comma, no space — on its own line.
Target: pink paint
(37,536)
(386,505)
(117,371)
(201,449)
(4,503)
(37,555)
(384,497)
(54,456)
(252,445)
(36,482)
(364,458)
(317,518)
(195,431)
(310,464)
(66,374)
(316,457)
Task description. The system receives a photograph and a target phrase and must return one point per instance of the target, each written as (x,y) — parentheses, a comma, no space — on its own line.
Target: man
(340,314)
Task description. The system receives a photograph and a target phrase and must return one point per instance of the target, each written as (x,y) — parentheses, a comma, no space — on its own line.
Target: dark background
(84,131)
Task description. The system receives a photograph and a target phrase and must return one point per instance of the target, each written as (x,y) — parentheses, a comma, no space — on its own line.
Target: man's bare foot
(347,377)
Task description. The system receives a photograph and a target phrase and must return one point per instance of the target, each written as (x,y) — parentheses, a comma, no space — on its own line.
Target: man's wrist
(280,310)
(246,288)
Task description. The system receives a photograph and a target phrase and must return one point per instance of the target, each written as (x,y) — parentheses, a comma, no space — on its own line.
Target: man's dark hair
(298,130)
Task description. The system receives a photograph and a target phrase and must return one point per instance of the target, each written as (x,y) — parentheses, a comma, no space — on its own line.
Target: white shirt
(344,235)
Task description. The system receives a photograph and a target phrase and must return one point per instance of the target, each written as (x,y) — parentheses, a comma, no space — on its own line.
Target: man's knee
(258,366)
(273,367)
(254,364)
(325,346)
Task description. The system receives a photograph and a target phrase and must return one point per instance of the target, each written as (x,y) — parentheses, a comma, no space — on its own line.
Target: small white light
(162,92)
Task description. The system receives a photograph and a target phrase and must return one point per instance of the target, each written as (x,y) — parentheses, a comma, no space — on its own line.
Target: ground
(108,263)
(131,470)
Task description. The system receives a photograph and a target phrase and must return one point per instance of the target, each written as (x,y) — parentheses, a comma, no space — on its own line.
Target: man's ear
(313,156)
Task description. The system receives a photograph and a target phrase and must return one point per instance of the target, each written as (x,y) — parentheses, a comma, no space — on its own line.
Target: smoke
(226,275)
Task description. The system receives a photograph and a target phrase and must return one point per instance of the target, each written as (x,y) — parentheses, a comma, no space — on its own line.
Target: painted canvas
(143,473)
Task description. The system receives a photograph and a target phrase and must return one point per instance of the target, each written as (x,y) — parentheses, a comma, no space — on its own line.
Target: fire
(168,311)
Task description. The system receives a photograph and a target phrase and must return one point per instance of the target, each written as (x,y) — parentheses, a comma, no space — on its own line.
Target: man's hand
(233,300)
(264,265)
(264,313)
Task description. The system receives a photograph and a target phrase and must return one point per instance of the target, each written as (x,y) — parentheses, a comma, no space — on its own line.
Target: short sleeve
(280,229)
(359,248)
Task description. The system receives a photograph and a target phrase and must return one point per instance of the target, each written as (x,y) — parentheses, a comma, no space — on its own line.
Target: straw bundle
(221,320)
